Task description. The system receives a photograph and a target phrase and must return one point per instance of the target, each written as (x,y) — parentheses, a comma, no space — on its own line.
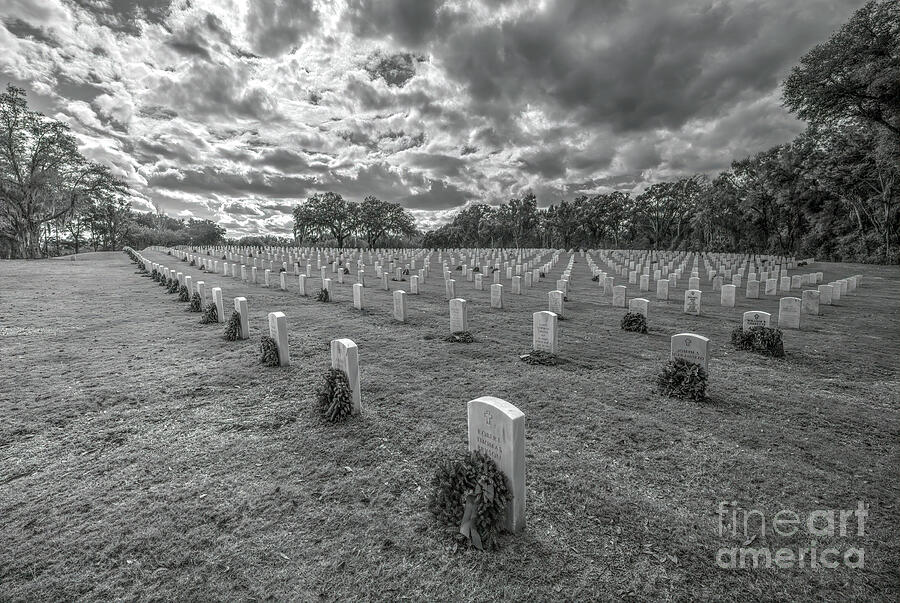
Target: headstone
(345,357)
(789,313)
(400,305)
(302,281)
(728,293)
(496,296)
(752,289)
(755,318)
(459,315)
(639,305)
(620,296)
(278,332)
(690,347)
(358,300)
(479,281)
(662,289)
(497,429)
(517,285)
(694,282)
(809,302)
(450,288)
(825,292)
(771,286)
(220,305)
(785,283)
(240,306)
(544,335)
(557,302)
(692,302)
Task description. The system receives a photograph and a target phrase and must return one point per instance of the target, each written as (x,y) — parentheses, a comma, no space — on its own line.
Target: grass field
(144,457)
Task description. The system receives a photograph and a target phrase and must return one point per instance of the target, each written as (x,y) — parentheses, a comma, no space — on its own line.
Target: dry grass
(144,457)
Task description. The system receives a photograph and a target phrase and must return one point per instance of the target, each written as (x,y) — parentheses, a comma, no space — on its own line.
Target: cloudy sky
(235,110)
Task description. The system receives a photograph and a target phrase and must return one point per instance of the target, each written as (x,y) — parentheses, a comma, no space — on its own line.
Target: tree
(204,232)
(517,218)
(329,213)
(855,74)
(43,177)
(377,218)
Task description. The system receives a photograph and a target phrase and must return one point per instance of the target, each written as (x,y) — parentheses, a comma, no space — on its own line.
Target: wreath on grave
(595,278)
(211,314)
(196,303)
(268,350)
(183,295)
(460,337)
(193,262)
(762,340)
(476,269)
(681,378)
(233,327)
(322,295)
(470,494)
(163,280)
(169,252)
(173,286)
(634,322)
(334,398)
(540,357)
(154,275)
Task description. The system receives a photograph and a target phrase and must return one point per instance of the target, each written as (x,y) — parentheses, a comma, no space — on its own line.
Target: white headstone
(544,334)
(690,347)
(789,313)
(497,429)
(240,306)
(278,332)
(755,318)
(345,357)
(459,315)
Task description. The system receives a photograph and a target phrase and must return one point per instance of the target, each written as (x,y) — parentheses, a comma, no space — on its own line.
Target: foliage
(183,294)
(173,286)
(461,337)
(44,179)
(211,315)
(540,357)
(855,74)
(762,340)
(322,295)
(471,493)
(634,322)
(196,303)
(335,400)
(233,327)
(268,351)
(680,378)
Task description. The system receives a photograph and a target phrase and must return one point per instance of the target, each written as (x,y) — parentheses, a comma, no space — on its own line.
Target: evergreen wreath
(540,357)
(211,314)
(268,350)
(183,295)
(322,295)
(460,337)
(196,303)
(335,400)
(233,327)
(681,378)
(471,494)
(634,322)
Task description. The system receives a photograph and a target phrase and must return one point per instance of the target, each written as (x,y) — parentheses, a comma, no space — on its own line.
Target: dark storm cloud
(395,69)
(211,180)
(408,22)
(632,66)
(277,26)
(126,16)
(439,195)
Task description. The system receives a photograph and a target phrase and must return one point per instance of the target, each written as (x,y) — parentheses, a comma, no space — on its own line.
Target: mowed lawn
(144,457)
